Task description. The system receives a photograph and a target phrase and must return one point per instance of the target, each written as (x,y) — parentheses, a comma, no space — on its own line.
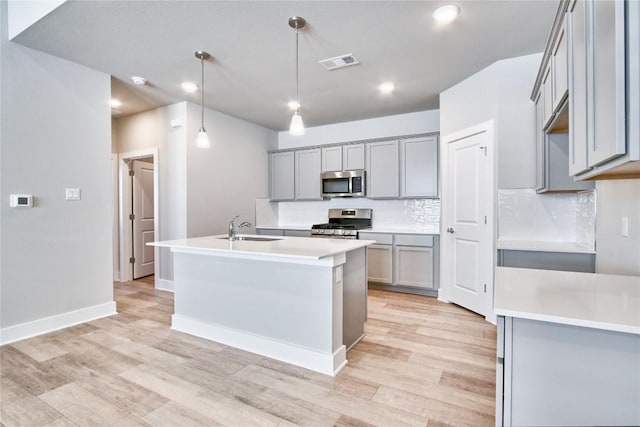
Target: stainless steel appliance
(343,184)
(343,223)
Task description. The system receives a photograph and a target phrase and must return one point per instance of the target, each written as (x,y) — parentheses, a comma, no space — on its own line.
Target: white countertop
(601,301)
(305,248)
(543,246)
(435,229)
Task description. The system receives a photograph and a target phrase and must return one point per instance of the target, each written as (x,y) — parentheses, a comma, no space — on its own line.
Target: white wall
(23,13)
(55,134)
(152,129)
(616,254)
(381,127)
(226,179)
(499,92)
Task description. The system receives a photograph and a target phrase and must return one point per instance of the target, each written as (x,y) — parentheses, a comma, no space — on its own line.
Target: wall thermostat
(21,201)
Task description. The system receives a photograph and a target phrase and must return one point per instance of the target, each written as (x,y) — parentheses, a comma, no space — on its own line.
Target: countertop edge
(542,246)
(569,321)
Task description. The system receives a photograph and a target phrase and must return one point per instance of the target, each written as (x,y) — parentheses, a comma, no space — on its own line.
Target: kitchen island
(295,299)
(568,348)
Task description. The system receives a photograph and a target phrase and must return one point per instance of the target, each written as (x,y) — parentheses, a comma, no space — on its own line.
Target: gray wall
(57,256)
(151,129)
(499,92)
(225,180)
(616,254)
(200,190)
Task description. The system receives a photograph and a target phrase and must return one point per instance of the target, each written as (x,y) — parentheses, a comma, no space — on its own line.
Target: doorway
(138,213)
(468,224)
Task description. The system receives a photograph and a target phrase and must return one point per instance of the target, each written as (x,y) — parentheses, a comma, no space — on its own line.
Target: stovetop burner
(343,223)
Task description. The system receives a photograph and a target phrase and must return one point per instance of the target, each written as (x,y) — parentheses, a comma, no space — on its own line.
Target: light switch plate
(625,226)
(72,193)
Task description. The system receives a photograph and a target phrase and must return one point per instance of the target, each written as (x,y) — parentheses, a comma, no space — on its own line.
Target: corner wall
(56,264)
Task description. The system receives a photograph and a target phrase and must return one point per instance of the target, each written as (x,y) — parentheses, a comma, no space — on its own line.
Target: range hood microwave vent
(339,62)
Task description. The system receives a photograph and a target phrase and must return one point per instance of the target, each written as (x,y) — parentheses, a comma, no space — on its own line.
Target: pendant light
(297,127)
(203,139)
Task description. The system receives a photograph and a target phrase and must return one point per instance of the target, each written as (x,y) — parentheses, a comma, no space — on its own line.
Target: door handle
(450,230)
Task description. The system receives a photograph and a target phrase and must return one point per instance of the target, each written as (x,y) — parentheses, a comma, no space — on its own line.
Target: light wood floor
(422,363)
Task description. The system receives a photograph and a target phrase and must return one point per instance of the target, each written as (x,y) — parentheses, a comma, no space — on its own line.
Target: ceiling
(252,73)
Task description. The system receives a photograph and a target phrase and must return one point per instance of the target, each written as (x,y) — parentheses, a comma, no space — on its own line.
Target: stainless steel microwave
(343,184)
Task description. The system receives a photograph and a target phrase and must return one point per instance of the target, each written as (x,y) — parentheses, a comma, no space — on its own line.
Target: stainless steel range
(343,223)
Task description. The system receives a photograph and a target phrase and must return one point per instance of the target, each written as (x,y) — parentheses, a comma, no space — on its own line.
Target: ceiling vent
(339,62)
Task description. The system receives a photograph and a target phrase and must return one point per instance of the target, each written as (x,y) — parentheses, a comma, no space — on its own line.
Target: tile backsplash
(386,213)
(562,217)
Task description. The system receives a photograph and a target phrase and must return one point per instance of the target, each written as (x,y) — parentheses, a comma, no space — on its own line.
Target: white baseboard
(325,363)
(164,285)
(60,321)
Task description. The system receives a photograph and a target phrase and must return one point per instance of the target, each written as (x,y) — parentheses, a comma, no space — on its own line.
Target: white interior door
(143,218)
(469,223)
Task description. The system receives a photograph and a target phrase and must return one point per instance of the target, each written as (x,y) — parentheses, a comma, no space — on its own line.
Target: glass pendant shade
(203,139)
(296,127)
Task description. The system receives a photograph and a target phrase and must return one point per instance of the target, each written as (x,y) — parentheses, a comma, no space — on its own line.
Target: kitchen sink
(253,238)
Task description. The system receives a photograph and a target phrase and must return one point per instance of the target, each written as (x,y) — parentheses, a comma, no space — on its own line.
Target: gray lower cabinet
(269,232)
(281,174)
(552,374)
(297,233)
(403,262)
(308,164)
(561,261)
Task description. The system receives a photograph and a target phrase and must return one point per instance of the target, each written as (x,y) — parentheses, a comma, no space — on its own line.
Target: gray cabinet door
(307,174)
(413,266)
(331,159)
(608,86)
(547,98)
(353,157)
(419,167)
(540,135)
(380,263)
(577,38)
(281,170)
(382,170)
(560,69)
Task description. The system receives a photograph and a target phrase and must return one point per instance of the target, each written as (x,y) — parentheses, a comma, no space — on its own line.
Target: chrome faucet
(233,230)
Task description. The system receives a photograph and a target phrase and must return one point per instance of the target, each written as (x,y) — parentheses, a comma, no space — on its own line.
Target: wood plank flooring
(422,363)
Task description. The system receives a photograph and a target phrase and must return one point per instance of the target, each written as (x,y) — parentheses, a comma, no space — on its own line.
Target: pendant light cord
(202,89)
(297,72)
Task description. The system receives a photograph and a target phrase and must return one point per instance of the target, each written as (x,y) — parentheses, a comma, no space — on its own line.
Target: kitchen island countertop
(601,301)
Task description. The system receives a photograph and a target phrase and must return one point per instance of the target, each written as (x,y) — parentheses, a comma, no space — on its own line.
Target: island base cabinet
(555,374)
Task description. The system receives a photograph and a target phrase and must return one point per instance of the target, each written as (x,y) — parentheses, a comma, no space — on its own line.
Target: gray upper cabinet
(547,97)
(560,70)
(281,172)
(540,141)
(419,167)
(382,170)
(577,37)
(353,157)
(332,159)
(608,100)
(307,174)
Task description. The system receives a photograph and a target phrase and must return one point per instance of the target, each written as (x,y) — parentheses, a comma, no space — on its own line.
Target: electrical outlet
(72,194)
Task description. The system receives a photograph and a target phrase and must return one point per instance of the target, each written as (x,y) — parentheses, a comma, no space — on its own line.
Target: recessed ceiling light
(293,105)
(446,14)
(115,103)
(386,88)
(189,87)
(138,81)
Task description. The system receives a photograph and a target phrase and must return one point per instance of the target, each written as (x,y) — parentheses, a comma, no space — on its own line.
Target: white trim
(164,284)
(126,237)
(325,363)
(445,276)
(60,321)
(115,220)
